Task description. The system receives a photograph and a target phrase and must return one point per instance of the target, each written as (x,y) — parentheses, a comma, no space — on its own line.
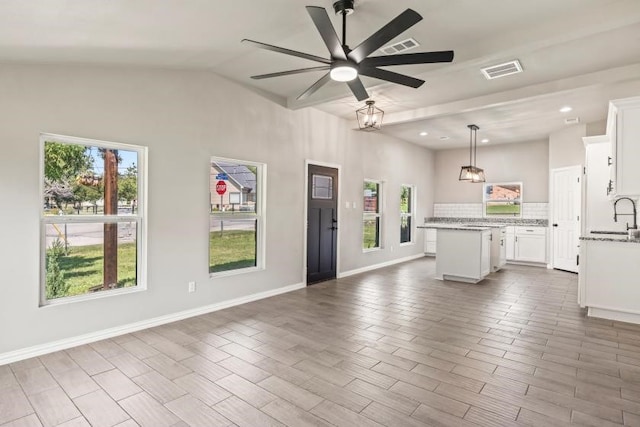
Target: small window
(503,200)
(236,224)
(371,217)
(92,220)
(322,187)
(406,213)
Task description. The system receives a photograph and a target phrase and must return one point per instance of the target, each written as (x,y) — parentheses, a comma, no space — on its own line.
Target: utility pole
(110,270)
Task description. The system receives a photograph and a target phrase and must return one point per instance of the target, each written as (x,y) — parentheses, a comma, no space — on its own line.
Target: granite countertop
(454,226)
(609,238)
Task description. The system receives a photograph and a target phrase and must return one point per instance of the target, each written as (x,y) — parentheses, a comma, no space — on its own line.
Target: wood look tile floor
(392,347)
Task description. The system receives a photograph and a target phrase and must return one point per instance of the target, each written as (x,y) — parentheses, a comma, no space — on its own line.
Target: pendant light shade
(471,172)
(369,117)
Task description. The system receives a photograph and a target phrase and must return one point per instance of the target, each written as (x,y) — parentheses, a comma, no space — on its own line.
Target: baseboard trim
(39,350)
(376,266)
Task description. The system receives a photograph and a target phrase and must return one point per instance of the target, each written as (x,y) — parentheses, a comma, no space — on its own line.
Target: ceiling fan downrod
(344,7)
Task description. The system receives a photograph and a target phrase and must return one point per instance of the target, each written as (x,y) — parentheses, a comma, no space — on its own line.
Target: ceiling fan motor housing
(343,6)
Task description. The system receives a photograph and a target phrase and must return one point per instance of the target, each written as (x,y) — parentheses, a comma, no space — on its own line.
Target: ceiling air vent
(501,70)
(402,46)
(572,121)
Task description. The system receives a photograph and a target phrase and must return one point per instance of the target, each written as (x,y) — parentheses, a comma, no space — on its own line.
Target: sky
(128,158)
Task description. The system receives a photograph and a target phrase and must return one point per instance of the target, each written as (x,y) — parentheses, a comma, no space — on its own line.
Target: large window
(503,200)
(236,224)
(92,218)
(406,213)
(371,215)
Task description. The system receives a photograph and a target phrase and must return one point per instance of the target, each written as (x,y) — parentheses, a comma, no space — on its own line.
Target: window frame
(373,215)
(140,218)
(410,214)
(259,216)
(519,200)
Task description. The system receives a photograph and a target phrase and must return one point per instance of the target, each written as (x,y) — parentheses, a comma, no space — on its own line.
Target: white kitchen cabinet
(463,255)
(597,207)
(511,243)
(531,244)
(526,244)
(608,279)
(498,248)
(623,130)
(430,238)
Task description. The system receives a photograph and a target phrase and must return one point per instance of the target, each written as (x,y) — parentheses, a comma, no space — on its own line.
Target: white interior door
(565,217)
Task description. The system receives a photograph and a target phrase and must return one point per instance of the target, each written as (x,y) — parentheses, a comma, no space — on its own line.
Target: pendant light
(472,173)
(369,117)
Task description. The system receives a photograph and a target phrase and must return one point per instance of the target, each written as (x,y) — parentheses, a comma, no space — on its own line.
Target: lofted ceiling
(580,53)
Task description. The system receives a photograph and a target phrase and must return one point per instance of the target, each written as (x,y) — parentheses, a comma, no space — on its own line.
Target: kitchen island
(463,252)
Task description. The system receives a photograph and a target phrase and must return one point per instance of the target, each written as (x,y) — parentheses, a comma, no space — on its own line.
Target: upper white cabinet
(597,208)
(623,130)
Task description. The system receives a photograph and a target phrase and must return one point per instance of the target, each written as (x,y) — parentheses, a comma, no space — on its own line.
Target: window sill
(235,272)
(92,296)
(407,244)
(364,251)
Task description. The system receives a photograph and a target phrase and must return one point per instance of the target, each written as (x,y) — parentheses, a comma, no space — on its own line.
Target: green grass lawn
(369,234)
(83,267)
(231,250)
(503,209)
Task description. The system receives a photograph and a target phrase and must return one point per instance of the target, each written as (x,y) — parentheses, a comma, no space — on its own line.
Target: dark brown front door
(322,223)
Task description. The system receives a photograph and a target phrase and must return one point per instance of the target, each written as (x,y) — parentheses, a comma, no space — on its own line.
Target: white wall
(566,147)
(527,162)
(184,118)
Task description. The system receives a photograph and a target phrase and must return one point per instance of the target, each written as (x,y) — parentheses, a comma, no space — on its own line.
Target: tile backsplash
(474,210)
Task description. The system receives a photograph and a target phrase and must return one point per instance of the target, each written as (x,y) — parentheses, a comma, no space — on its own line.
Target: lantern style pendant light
(471,172)
(369,117)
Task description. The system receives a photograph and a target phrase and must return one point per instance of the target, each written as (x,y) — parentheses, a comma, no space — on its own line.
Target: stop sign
(221,187)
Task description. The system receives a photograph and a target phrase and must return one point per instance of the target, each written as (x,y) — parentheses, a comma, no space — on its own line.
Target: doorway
(322,223)
(566,196)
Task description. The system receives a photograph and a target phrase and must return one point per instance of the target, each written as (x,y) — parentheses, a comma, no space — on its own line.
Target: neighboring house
(504,193)
(241,186)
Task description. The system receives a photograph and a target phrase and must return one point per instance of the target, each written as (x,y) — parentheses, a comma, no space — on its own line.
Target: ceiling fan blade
(408,58)
(287,51)
(288,73)
(396,26)
(358,89)
(392,77)
(327,32)
(314,87)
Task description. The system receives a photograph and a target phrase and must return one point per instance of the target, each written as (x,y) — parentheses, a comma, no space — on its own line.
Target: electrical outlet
(192,287)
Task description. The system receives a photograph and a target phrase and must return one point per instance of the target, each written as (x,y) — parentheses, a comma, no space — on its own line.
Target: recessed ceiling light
(444,138)
(484,141)
(565,109)
(423,133)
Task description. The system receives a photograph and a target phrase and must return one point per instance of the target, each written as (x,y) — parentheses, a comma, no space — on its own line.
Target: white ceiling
(574,52)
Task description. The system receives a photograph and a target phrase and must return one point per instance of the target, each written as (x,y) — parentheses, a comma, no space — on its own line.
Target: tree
(128,184)
(56,285)
(64,162)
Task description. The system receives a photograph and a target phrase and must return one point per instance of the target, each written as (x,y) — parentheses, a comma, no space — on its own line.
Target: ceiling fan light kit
(346,64)
(343,71)
(472,173)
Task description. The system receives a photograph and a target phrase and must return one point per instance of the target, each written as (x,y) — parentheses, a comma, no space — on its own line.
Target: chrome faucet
(616,214)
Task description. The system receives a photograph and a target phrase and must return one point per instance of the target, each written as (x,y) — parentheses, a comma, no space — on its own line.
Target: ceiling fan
(347,65)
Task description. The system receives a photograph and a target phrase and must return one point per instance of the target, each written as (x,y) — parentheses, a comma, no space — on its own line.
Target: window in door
(236,222)
(371,216)
(93,218)
(406,213)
